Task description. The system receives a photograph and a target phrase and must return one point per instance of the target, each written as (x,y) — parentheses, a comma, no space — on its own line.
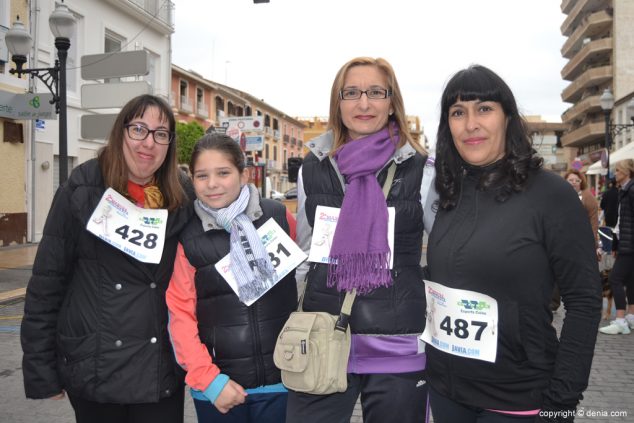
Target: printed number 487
(461,327)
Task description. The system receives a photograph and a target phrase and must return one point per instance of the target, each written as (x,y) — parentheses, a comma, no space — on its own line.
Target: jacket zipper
(259,361)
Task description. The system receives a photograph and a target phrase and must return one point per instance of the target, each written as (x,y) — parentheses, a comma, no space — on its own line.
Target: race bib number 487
(461,322)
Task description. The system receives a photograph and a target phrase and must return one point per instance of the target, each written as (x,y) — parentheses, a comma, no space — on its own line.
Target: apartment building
(195,98)
(102,26)
(599,46)
(546,139)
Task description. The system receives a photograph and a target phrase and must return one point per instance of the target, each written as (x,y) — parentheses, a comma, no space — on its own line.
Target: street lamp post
(19,41)
(611,130)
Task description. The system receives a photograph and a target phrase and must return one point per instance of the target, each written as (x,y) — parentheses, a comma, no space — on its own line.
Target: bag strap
(346,307)
(388,180)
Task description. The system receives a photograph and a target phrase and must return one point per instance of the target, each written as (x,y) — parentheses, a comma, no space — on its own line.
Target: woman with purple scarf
(346,169)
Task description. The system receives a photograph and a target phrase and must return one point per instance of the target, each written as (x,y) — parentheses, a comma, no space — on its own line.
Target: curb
(12,296)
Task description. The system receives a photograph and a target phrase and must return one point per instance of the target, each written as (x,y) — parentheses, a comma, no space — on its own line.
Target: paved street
(608,398)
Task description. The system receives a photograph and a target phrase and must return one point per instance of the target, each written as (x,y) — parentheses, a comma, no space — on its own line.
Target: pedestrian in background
(225,346)
(578,182)
(610,204)
(346,168)
(622,274)
(508,230)
(95,318)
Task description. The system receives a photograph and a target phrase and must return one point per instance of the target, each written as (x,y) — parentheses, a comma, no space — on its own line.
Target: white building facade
(103,26)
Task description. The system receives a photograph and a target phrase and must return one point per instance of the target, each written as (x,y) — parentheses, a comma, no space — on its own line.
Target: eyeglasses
(139,132)
(574,181)
(372,93)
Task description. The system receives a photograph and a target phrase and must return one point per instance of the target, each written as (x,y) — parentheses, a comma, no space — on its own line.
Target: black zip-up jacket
(240,339)
(95,319)
(626,219)
(516,251)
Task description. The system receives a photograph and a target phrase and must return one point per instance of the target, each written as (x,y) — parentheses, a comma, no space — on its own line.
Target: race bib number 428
(136,231)
(461,322)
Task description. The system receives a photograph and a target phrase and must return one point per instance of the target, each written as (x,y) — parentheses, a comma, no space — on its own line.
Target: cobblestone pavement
(608,399)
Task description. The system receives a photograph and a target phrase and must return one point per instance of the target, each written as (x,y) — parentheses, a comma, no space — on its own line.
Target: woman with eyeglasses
(506,232)
(95,317)
(346,169)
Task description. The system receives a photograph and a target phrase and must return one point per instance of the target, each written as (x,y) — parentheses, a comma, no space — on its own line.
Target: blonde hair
(335,122)
(626,165)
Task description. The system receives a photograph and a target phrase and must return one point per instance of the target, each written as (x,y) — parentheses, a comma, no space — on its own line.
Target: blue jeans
(258,408)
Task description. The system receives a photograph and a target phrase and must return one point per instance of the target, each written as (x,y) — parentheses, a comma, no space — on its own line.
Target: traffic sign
(114,94)
(115,65)
(97,126)
(244,123)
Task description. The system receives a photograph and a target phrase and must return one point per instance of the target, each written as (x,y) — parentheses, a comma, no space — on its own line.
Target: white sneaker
(630,320)
(615,328)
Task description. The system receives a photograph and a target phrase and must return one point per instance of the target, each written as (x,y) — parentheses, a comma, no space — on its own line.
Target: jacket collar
(322,145)
(253,210)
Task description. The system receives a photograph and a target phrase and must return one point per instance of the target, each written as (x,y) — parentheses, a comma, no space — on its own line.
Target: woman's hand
(57,397)
(231,395)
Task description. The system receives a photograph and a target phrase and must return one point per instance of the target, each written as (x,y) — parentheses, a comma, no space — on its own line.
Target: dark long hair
(112,162)
(480,83)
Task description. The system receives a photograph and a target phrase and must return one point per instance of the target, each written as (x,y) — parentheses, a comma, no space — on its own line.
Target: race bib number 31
(461,322)
(284,254)
(136,231)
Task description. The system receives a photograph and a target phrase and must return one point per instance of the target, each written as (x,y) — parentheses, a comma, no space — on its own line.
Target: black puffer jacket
(399,308)
(626,219)
(95,319)
(240,339)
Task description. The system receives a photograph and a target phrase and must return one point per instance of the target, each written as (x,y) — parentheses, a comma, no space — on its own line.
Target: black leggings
(446,410)
(396,397)
(622,281)
(167,410)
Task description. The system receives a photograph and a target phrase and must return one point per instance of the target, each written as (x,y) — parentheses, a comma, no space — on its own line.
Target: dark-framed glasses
(372,93)
(139,132)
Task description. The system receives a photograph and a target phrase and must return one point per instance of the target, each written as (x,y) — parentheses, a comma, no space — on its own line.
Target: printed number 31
(275,260)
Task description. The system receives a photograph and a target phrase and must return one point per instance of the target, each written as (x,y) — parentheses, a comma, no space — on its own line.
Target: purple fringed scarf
(360,254)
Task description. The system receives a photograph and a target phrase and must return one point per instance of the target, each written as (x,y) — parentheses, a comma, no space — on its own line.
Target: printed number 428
(461,327)
(137,236)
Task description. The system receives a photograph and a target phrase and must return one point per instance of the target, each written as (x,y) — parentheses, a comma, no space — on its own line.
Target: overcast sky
(287,52)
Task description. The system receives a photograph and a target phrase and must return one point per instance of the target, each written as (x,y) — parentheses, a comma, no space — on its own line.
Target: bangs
(472,84)
(145,102)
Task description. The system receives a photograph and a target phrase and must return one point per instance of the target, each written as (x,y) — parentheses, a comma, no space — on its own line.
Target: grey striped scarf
(250,263)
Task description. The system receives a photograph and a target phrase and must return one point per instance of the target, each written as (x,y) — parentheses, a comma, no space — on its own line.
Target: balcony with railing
(590,104)
(592,26)
(293,141)
(202,110)
(592,52)
(159,14)
(585,134)
(594,76)
(286,138)
(581,8)
(276,134)
(566,5)
(186,105)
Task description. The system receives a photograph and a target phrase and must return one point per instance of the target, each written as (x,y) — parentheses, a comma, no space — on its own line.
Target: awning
(625,152)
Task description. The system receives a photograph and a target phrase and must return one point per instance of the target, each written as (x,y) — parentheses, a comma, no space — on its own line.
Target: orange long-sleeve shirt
(190,352)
